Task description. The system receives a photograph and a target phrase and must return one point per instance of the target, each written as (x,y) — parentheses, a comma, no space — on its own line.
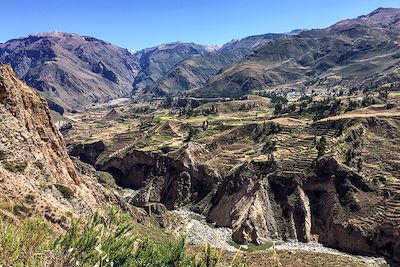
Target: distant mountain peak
(55,33)
(384,10)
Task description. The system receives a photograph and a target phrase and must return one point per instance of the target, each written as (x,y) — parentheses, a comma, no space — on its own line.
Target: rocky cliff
(36,174)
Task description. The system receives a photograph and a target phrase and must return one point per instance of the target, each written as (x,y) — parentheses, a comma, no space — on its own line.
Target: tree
(278,108)
(168,101)
(359,164)
(192,132)
(321,146)
(384,95)
(205,125)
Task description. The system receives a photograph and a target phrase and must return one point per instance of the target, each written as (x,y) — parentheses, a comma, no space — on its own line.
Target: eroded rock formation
(288,192)
(175,180)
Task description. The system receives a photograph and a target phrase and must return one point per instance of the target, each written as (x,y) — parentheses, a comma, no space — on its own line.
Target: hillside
(73,71)
(37,177)
(357,54)
(272,150)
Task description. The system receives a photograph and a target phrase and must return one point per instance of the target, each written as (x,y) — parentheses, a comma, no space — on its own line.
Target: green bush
(3,155)
(14,167)
(39,164)
(322,146)
(106,179)
(65,191)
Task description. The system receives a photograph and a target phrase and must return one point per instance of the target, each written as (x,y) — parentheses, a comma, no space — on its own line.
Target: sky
(138,24)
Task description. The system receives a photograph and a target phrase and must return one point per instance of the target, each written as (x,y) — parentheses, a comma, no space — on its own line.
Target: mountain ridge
(320,59)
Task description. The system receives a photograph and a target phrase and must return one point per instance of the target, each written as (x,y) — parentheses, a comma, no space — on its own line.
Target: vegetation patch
(101,241)
(21,210)
(24,244)
(14,166)
(106,179)
(3,155)
(65,191)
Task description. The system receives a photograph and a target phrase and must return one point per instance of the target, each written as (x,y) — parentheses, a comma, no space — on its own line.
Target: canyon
(290,137)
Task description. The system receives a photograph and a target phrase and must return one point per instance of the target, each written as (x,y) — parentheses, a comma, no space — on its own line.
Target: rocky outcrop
(88,153)
(173,180)
(26,110)
(260,207)
(341,201)
(330,204)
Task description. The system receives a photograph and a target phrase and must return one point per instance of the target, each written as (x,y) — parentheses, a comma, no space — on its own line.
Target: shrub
(14,167)
(66,192)
(106,179)
(101,241)
(191,134)
(3,155)
(21,210)
(322,146)
(110,241)
(30,198)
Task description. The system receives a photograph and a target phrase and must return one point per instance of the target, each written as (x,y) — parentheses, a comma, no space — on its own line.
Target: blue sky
(139,24)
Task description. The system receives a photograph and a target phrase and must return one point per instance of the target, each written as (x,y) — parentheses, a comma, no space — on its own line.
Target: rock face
(71,70)
(21,107)
(337,196)
(260,207)
(358,54)
(88,153)
(36,174)
(323,199)
(171,180)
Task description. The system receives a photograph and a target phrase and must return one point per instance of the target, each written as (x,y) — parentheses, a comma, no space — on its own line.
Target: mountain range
(72,71)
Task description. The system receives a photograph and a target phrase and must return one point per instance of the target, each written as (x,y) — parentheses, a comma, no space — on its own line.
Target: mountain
(71,70)
(196,70)
(36,174)
(156,61)
(355,54)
